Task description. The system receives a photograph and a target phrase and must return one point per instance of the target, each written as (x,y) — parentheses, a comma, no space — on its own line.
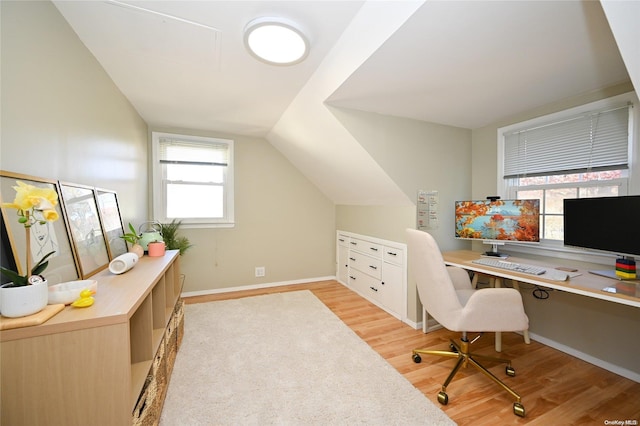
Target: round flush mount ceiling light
(276,41)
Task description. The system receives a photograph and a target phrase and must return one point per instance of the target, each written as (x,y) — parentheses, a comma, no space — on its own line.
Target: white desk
(585,284)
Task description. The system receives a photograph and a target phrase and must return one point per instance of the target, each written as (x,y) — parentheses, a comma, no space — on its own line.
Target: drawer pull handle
(354,243)
(341,240)
(373,248)
(352,277)
(353,259)
(392,253)
(373,267)
(373,288)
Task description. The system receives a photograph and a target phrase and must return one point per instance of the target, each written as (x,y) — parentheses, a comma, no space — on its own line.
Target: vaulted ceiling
(466,64)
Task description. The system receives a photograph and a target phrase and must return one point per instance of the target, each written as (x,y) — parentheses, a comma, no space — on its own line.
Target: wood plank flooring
(556,388)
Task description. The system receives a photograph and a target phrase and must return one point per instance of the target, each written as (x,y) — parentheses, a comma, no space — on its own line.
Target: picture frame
(51,236)
(81,211)
(111,221)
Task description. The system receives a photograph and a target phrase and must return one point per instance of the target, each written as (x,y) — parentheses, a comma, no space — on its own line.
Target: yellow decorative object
(85,300)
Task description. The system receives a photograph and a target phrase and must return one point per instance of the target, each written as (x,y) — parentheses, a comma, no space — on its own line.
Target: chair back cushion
(435,288)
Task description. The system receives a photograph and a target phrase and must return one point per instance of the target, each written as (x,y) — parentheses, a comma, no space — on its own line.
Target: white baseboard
(255,286)
(631,375)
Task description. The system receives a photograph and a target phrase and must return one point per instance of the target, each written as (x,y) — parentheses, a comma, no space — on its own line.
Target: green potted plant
(28,294)
(132,237)
(171,238)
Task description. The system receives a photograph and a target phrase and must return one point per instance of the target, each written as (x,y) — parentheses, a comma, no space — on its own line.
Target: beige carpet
(285,359)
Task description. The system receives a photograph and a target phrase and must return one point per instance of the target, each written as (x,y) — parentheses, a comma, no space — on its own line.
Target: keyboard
(510,266)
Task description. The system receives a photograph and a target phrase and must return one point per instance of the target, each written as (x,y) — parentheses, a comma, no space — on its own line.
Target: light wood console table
(108,364)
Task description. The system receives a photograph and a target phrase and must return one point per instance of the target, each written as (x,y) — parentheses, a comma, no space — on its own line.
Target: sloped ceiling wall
(308,131)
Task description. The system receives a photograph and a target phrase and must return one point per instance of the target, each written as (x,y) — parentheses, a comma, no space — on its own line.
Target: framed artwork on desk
(81,210)
(44,238)
(111,222)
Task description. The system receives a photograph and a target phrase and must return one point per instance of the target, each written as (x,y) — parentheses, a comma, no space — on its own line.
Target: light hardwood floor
(556,388)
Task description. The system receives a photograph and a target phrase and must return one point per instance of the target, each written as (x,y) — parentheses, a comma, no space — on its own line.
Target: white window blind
(172,151)
(590,142)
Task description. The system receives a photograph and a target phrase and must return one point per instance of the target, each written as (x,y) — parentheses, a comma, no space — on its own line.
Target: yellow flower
(32,197)
(50,215)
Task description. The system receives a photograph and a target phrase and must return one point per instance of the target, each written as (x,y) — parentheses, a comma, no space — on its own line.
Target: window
(193,179)
(584,152)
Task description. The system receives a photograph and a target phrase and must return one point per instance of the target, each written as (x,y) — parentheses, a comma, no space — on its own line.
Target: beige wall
(283,222)
(597,328)
(62,117)
(418,156)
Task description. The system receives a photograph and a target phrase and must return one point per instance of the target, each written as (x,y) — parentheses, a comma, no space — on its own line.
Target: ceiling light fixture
(276,41)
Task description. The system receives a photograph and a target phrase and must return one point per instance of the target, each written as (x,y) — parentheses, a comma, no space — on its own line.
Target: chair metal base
(461,352)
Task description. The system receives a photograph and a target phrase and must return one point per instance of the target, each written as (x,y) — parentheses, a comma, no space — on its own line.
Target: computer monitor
(605,224)
(496,221)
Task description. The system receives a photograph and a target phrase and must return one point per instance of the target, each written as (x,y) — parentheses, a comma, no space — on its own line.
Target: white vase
(22,301)
(123,263)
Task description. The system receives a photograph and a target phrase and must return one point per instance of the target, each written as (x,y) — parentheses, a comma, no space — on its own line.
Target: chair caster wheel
(443,398)
(510,371)
(453,348)
(518,409)
(416,358)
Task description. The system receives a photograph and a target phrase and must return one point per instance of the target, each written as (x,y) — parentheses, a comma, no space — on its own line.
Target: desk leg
(497,283)
(474,280)
(425,320)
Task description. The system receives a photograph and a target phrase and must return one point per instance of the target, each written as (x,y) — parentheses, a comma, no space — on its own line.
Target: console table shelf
(94,365)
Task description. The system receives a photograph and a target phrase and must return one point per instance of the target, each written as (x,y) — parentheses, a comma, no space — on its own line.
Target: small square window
(193,179)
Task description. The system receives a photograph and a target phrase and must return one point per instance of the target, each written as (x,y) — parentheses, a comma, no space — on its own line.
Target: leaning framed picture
(111,221)
(44,237)
(81,211)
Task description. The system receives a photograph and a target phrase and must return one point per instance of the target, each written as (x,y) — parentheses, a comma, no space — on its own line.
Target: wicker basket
(171,346)
(146,412)
(179,321)
(159,369)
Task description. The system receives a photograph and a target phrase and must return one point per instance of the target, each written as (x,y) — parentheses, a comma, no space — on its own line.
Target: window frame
(159,184)
(627,186)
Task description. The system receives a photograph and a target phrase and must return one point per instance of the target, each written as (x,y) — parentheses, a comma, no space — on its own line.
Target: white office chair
(448,296)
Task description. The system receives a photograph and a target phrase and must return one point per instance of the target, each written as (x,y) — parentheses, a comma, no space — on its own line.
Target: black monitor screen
(608,224)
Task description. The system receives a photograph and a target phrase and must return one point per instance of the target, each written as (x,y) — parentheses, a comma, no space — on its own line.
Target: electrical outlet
(260,271)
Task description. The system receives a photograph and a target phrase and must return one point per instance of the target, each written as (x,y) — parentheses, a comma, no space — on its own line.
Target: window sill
(187,225)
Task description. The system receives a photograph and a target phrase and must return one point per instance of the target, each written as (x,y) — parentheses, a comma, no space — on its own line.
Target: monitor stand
(494,251)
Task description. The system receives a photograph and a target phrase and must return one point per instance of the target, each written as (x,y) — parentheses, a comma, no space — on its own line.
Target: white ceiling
(183,64)
(192,70)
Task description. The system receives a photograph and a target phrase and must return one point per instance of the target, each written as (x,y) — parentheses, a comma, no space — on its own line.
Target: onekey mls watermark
(621,422)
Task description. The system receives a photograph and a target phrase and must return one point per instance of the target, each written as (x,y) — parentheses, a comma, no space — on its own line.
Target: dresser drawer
(365,284)
(393,255)
(367,247)
(367,264)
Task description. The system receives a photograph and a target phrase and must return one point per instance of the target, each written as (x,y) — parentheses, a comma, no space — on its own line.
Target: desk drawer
(393,255)
(363,246)
(366,264)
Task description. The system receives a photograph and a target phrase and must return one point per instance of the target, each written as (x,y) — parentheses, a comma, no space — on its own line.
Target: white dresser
(374,268)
